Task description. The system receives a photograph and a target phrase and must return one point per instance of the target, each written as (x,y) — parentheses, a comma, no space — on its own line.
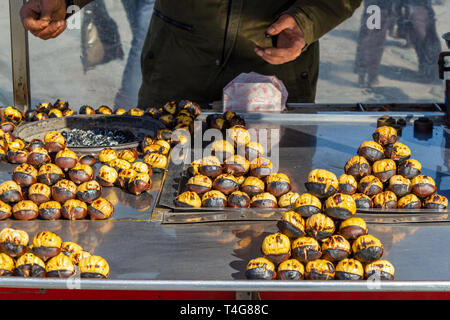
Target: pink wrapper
(253,92)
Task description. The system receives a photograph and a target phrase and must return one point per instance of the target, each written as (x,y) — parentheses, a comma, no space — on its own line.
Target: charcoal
(99,137)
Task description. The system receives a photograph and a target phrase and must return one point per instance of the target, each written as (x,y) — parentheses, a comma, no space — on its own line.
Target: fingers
(291,50)
(284,22)
(53,30)
(30,19)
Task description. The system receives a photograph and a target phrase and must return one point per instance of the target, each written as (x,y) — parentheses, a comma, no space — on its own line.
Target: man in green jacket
(194,48)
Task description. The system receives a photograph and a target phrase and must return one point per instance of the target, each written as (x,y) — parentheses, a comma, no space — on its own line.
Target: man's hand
(44,18)
(290,41)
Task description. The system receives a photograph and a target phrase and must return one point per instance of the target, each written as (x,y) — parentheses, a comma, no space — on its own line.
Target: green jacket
(194,48)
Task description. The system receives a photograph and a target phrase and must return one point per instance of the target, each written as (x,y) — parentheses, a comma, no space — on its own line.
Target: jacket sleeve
(79,3)
(317,17)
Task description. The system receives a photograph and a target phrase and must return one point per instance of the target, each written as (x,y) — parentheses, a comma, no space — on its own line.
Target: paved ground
(56,70)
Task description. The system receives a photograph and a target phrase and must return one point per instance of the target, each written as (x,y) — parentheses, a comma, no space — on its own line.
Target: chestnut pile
(46,256)
(321,239)
(51,182)
(383,175)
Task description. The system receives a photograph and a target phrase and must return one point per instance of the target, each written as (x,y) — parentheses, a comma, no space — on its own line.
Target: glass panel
(388,55)
(6,95)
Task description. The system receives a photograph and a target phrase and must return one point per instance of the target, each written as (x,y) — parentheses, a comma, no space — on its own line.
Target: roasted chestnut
(352,228)
(39,193)
(107,176)
(306,249)
(385,200)
(156,161)
(349,269)
(69,247)
(435,201)
(64,190)
(10,192)
(89,191)
(307,205)
(236,165)
(141,167)
(74,209)
(226,183)
(167,120)
(367,248)
(125,176)
(253,186)
(77,256)
(55,113)
(119,164)
(260,269)
(7,126)
(398,152)
(264,200)
(139,183)
(290,269)
(154,148)
(50,210)
(347,184)
(370,185)
(210,166)
(238,199)
(423,186)
(335,248)
(222,149)
(240,180)
(49,174)
(322,183)
(193,167)
(129,155)
(13,114)
(253,150)
(215,121)
(38,156)
(278,184)
(61,104)
(319,226)
(87,110)
(164,134)
(276,247)
(214,199)
(400,185)
(385,135)
(100,209)
(410,168)
(34,144)
(371,150)
(288,200)
(29,266)
(68,113)
(25,175)
(87,159)
(239,135)
(120,111)
(380,270)
(54,142)
(104,110)
(362,201)
(40,116)
(410,201)
(25,210)
(188,199)
(292,224)
(17,156)
(199,184)
(81,173)
(5,210)
(260,167)
(66,159)
(46,245)
(60,266)
(384,169)
(320,269)
(107,155)
(93,267)
(7,265)
(340,206)
(14,242)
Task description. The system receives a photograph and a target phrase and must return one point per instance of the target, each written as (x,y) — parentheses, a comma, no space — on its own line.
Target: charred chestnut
(292,224)
(278,184)
(349,269)
(188,199)
(260,167)
(222,149)
(214,199)
(29,266)
(107,155)
(264,200)
(46,245)
(385,200)
(340,206)
(290,269)
(129,155)
(238,199)
(215,121)
(276,247)
(54,142)
(34,144)
(335,248)
(39,193)
(13,114)
(307,205)
(384,169)
(167,120)
(410,201)
(370,185)
(17,156)
(435,201)
(25,175)
(239,135)
(358,167)
(253,150)
(156,161)
(164,134)
(107,176)
(5,210)
(226,183)
(7,265)
(87,110)
(371,150)
(14,242)
(322,183)
(367,248)
(100,209)
(253,186)
(306,249)
(60,266)
(50,210)
(400,185)
(410,168)
(69,247)
(38,156)
(352,228)
(210,166)
(7,126)
(125,176)
(74,209)
(139,183)
(141,167)
(104,110)
(260,269)
(199,184)
(68,113)
(319,226)
(66,159)
(320,269)
(94,267)
(77,256)
(423,186)
(347,184)
(55,113)
(89,191)
(81,173)
(288,200)
(119,164)
(25,210)
(385,135)
(64,190)
(380,269)
(398,152)
(88,159)
(10,192)
(236,165)
(120,111)
(49,174)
